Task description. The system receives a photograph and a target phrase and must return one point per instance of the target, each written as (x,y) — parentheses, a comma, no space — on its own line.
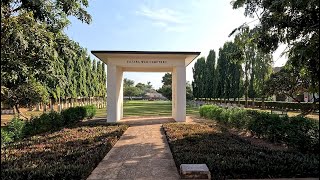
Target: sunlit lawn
(147,108)
(131,108)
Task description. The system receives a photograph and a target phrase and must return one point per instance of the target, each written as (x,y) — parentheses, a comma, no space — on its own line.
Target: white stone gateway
(145,61)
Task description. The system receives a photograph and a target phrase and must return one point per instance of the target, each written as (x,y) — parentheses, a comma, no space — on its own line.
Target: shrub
(73,115)
(91,111)
(297,132)
(239,118)
(44,123)
(6,136)
(303,134)
(16,128)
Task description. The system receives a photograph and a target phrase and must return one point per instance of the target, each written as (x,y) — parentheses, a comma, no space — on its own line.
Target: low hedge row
(17,128)
(278,105)
(297,132)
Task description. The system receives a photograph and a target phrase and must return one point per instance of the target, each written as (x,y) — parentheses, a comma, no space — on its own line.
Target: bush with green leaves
(52,121)
(44,123)
(16,127)
(6,136)
(73,114)
(91,111)
(297,132)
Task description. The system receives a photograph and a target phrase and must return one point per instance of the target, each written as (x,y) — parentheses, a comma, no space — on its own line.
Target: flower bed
(228,156)
(71,153)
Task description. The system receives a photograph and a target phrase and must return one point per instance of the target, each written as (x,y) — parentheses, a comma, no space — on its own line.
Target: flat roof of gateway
(103,55)
(146,52)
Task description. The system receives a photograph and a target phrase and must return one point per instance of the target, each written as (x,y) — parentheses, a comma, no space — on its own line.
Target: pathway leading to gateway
(141,153)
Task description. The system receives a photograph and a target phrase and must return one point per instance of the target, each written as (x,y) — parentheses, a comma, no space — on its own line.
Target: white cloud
(168,19)
(162,15)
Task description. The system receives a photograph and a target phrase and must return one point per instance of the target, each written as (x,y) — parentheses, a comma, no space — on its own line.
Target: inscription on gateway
(145,62)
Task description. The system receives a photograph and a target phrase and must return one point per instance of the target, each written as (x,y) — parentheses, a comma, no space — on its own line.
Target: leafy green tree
(128,82)
(89,77)
(199,81)
(95,82)
(166,89)
(210,69)
(293,23)
(221,73)
(30,46)
(145,88)
(99,79)
(167,79)
(289,82)
(131,91)
(245,41)
(104,81)
(189,93)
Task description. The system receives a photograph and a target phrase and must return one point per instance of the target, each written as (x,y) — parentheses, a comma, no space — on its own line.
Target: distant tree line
(232,75)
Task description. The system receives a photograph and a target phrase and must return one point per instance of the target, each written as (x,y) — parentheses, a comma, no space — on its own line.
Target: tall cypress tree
(104,81)
(94,79)
(210,69)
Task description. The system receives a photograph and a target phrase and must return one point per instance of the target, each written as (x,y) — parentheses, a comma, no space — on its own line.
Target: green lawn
(147,108)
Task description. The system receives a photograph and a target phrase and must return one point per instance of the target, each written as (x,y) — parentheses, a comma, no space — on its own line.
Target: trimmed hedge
(297,132)
(278,105)
(52,121)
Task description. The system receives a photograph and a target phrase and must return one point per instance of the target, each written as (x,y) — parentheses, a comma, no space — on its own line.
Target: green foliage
(297,132)
(46,122)
(34,49)
(166,91)
(167,79)
(199,78)
(16,128)
(6,136)
(127,82)
(294,23)
(73,115)
(288,81)
(189,92)
(131,91)
(91,111)
(231,157)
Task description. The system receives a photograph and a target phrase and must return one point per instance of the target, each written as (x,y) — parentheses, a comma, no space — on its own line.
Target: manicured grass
(147,108)
(71,153)
(229,156)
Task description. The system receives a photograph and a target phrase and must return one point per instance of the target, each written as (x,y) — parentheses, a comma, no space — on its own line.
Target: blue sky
(163,25)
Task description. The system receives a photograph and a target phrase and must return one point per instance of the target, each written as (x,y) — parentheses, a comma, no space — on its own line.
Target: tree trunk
(262,104)
(18,112)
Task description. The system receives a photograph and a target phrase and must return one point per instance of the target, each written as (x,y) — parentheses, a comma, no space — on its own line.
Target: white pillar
(179,93)
(173,86)
(114,93)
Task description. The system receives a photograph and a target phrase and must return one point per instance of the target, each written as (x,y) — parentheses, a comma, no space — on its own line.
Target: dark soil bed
(230,156)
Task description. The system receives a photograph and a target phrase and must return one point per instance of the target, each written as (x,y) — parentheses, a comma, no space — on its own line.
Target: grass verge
(229,156)
(71,153)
